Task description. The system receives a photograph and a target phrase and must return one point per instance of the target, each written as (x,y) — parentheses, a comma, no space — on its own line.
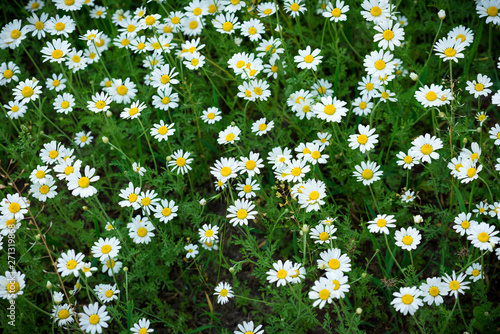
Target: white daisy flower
(81,185)
(408,239)
(433,290)
(424,147)
(94,318)
(381,224)
(456,284)
(334,260)
(367,172)
(241,211)
(407,300)
(280,273)
(223,291)
(105,249)
(483,236)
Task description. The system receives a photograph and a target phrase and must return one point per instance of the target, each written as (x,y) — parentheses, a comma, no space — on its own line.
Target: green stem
(390,252)
(149,144)
(34,63)
(449,316)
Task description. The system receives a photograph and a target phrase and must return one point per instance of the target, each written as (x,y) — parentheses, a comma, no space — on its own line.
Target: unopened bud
(49,285)
(305,228)
(105,140)
(203,201)
(359,310)
(441,14)
(414,76)
(363,275)
(418,219)
(38,236)
(169,158)
(41,132)
(233,123)
(464,140)
(125,269)
(231,270)
(85,208)
(479,129)
(109,113)
(321,266)
(441,114)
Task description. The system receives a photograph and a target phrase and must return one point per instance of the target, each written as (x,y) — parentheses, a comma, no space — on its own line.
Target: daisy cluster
(270,72)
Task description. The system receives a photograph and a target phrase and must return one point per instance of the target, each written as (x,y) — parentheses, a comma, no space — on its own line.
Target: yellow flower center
(362,139)
(124,42)
(252,31)
(227,26)
(176,20)
(59,26)
(141,46)
(146,201)
(407,240)
(324,294)
(376,11)
(166,212)
(105,249)
(56,54)
(8,74)
(209,233)
(44,189)
(492,11)
(165,79)
(65,104)
(465,224)
(479,87)
(193,25)
(314,195)
(336,12)
(461,37)
(407,299)
(223,293)
(380,64)
(35,5)
(247,188)
(130,28)
(133,111)
(426,149)
(431,96)
(281,273)
(334,264)
(257,90)
(229,137)
(212,9)
(471,172)
(13,288)
(15,109)
(165,100)
(363,105)
(94,318)
(211,115)
(142,231)
(336,284)
(195,61)
(316,155)
(27,91)
(434,291)
(483,237)
(388,35)
(242,214)
(150,20)
(110,263)
(296,171)
(308,59)
(450,52)
(98,13)
(180,161)
(330,109)
(250,165)
(294,7)
(323,236)
(454,285)
(475,272)
(225,171)
(84,182)
(71,264)
(381,222)
(68,170)
(122,90)
(63,314)
(408,159)
(268,11)
(367,174)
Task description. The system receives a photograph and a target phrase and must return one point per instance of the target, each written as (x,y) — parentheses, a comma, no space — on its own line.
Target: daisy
(449,49)
(424,147)
(323,233)
(265,9)
(367,172)
(162,131)
(494,209)
(469,171)
(362,106)
(407,160)
(323,139)
(433,290)
(12,285)
(296,169)
(390,34)
(56,82)
(379,63)
(134,111)
(70,263)
(247,189)
(67,167)
(39,173)
(81,185)
(229,136)
(408,196)
(408,239)
(479,87)
(8,73)
(225,168)
(57,26)
(375,10)
(100,102)
(261,128)
(150,21)
(166,210)
(456,284)
(334,260)
(14,207)
(495,134)
(366,139)
(483,236)
(75,60)
(13,34)
(16,109)
(403,20)
(44,189)
(140,230)
(111,266)
(490,10)
(181,162)
(280,273)
(223,291)
(122,91)
(241,211)
(142,327)
(63,314)
(64,103)
(308,59)
(105,249)
(481,117)
(87,269)
(130,195)
(98,12)
(56,51)
(34,5)
(322,292)
(107,292)
(165,99)
(296,272)
(148,200)
(322,88)
(294,7)
(251,165)
(192,251)
(475,272)
(226,23)
(173,22)
(381,224)
(316,155)
(163,76)
(211,115)
(270,47)
(312,194)
(192,25)
(339,282)
(253,29)
(208,233)
(330,109)
(51,152)
(369,86)
(336,13)
(481,208)
(27,90)
(94,318)
(465,35)
(248,327)
(407,300)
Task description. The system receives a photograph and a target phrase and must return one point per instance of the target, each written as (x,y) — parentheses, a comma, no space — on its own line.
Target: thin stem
(149,144)
(449,316)
(418,324)
(390,251)
(34,63)
(374,199)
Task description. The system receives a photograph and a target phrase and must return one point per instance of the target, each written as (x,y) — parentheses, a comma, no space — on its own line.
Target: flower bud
(305,228)
(231,270)
(464,140)
(203,201)
(109,113)
(238,40)
(105,140)
(169,158)
(321,266)
(49,285)
(359,310)
(418,219)
(441,114)
(441,14)
(363,275)
(125,269)
(233,123)
(414,76)
(38,236)
(85,208)
(479,129)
